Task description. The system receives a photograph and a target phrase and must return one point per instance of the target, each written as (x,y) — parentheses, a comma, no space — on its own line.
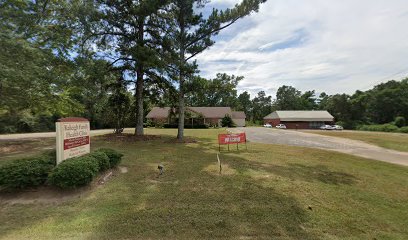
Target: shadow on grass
(308,173)
(185,203)
(189,203)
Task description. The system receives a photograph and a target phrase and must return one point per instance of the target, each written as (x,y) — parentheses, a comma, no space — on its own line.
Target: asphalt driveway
(302,139)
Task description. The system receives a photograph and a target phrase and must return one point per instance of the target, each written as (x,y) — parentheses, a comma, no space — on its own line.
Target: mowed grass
(10,149)
(395,141)
(266,192)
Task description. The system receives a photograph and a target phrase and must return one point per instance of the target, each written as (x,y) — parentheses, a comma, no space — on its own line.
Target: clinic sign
(73,138)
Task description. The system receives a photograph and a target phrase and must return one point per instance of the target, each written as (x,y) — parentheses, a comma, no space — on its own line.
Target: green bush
(379,128)
(25,173)
(51,156)
(102,159)
(400,122)
(227,121)
(114,156)
(74,172)
(404,129)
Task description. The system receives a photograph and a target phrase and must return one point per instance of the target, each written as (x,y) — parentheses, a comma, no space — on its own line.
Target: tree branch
(212,32)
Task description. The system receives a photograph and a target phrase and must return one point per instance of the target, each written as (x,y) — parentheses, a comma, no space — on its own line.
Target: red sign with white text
(75,142)
(231,138)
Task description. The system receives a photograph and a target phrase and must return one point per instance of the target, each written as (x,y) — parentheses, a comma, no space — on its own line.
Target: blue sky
(327,45)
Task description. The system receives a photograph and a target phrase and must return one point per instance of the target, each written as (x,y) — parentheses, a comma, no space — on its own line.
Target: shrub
(25,173)
(102,160)
(114,156)
(148,123)
(227,121)
(51,156)
(74,172)
(404,129)
(400,122)
(379,128)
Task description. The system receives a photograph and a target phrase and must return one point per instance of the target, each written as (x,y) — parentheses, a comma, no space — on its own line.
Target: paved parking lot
(302,139)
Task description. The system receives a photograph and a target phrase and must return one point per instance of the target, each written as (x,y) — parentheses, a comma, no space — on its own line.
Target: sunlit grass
(266,192)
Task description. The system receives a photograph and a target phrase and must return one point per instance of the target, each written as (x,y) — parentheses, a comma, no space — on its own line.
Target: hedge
(74,172)
(400,122)
(379,128)
(102,160)
(403,130)
(26,173)
(80,171)
(71,173)
(114,156)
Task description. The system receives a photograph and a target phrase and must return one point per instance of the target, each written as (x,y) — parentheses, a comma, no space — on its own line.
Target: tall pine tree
(191,33)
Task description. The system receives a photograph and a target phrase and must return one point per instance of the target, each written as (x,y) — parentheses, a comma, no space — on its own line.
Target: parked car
(326,127)
(337,127)
(267,125)
(281,126)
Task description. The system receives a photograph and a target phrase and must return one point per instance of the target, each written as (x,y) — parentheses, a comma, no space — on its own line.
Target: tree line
(382,104)
(81,57)
(112,61)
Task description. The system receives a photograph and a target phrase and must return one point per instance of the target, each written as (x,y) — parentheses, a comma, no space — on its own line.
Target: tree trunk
(180,133)
(139,84)
(139,102)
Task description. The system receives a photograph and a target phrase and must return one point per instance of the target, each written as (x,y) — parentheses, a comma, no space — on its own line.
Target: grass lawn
(267,192)
(395,141)
(21,148)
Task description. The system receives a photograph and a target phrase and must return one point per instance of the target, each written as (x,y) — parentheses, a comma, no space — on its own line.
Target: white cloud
(326,45)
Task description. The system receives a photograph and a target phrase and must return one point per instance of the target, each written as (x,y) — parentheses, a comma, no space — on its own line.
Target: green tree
(227,121)
(262,106)
(308,101)
(387,101)
(35,66)
(339,106)
(245,104)
(119,105)
(132,32)
(190,34)
(288,98)
(218,92)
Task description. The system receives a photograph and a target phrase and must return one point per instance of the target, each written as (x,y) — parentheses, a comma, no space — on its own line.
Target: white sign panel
(73,138)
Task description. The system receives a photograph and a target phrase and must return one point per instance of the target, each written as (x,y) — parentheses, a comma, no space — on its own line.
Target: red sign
(231,138)
(75,142)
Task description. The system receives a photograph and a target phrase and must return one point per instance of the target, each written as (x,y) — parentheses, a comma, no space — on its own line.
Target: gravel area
(302,139)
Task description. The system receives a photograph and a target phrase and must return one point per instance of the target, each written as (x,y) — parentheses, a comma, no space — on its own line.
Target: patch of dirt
(22,146)
(214,169)
(12,148)
(54,195)
(127,137)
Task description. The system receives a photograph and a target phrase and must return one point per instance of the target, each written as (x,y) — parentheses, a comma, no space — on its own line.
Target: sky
(324,45)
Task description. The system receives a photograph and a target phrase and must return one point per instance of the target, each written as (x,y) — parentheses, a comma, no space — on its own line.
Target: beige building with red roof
(197,115)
